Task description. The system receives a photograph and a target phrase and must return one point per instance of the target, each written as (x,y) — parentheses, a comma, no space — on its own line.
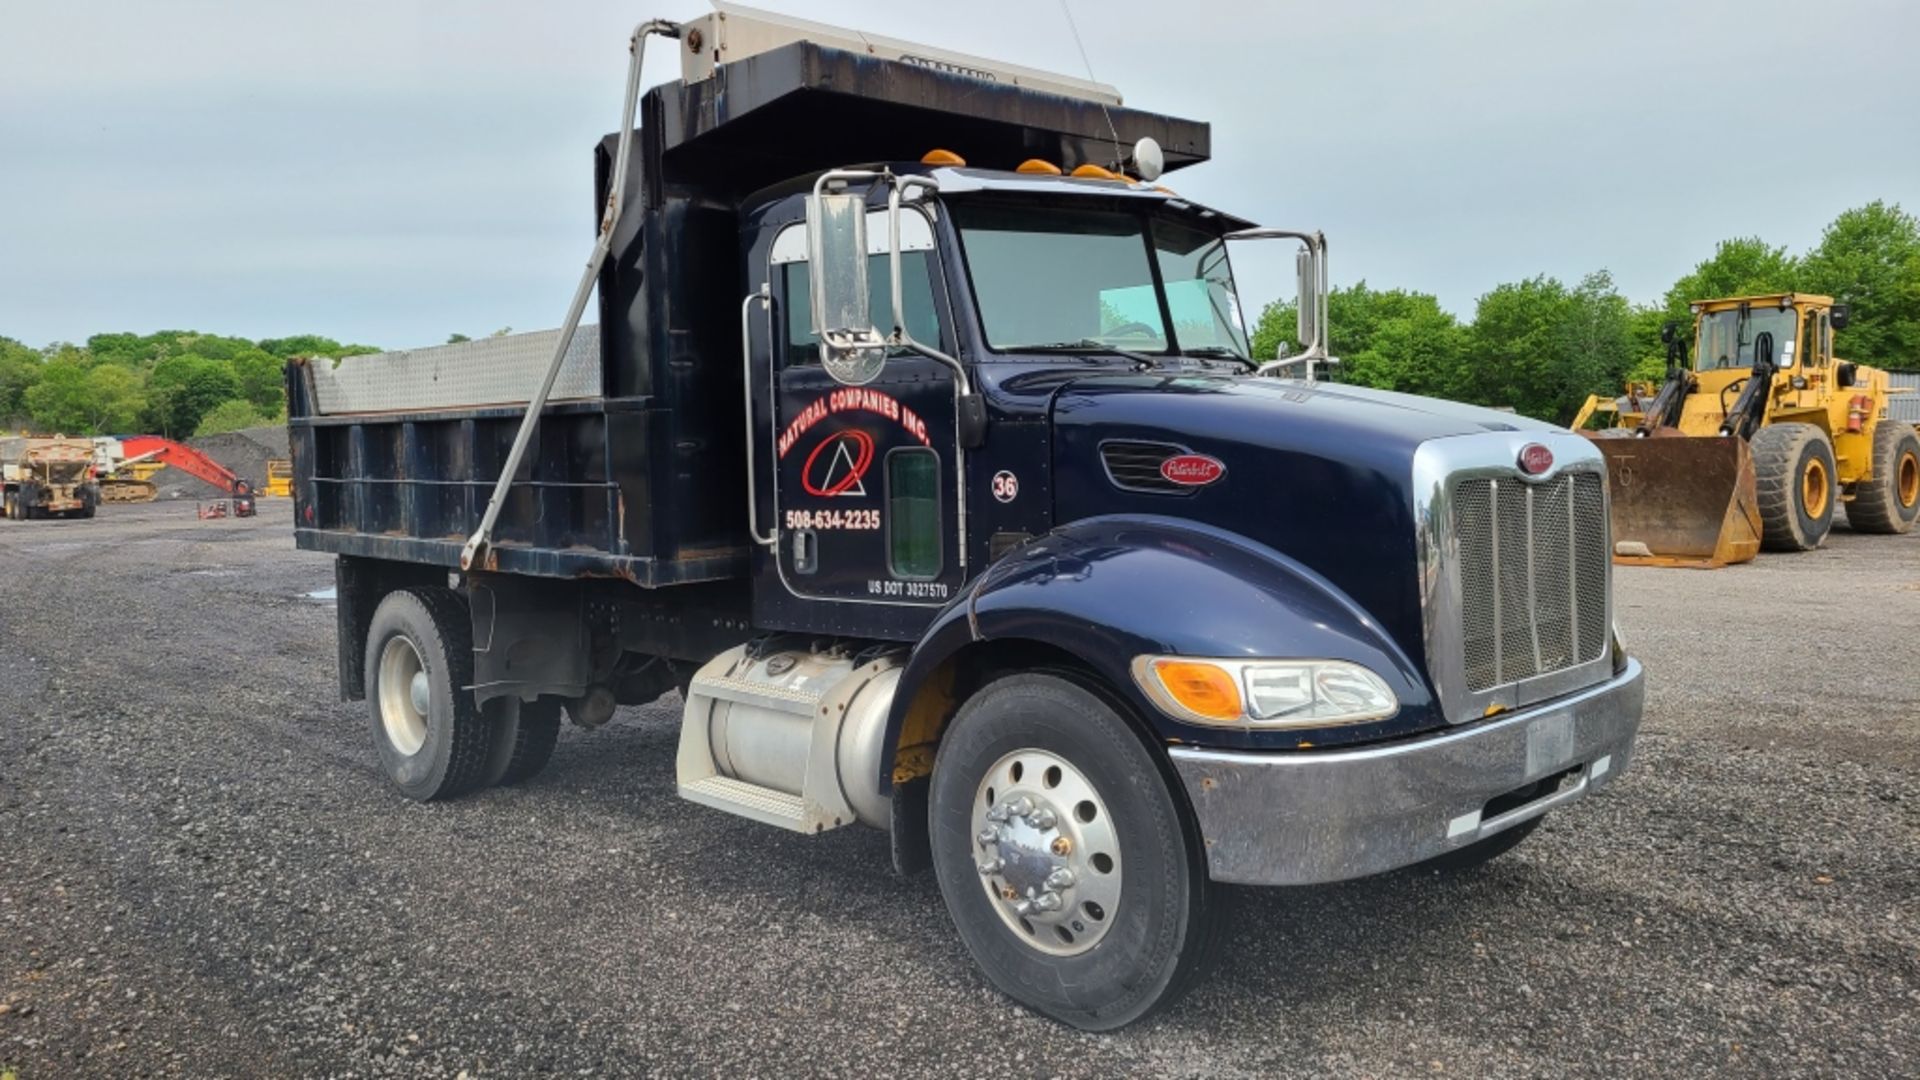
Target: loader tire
(524,733)
(432,739)
(1798,486)
(1890,501)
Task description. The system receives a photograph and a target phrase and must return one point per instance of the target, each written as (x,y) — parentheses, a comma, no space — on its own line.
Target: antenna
(1118,157)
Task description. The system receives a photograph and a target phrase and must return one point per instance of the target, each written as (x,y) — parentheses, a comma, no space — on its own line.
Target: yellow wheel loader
(1756,443)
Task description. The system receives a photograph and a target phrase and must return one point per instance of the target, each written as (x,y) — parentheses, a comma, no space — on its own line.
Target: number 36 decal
(1006,486)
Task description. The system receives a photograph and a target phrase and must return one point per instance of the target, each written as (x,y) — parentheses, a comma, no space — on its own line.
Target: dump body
(48,476)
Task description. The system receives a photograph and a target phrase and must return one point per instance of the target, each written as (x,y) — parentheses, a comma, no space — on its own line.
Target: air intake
(1135,466)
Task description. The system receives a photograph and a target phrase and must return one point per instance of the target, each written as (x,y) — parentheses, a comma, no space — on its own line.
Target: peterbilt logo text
(1535,459)
(1192,470)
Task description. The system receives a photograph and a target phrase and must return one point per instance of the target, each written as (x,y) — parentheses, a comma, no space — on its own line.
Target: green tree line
(1541,346)
(175,383)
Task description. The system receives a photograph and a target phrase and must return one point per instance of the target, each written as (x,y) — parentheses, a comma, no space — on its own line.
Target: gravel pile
(245,452)
(202,873)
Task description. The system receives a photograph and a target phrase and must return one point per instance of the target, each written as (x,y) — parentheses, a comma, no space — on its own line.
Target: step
(752,801)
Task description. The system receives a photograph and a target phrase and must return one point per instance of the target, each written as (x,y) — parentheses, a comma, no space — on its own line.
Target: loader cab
(1727,333)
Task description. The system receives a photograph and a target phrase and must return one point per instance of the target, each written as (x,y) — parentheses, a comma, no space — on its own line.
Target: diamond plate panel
(464,375)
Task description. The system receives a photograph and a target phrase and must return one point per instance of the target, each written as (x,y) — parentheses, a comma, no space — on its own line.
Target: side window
(913,513)
(916,296)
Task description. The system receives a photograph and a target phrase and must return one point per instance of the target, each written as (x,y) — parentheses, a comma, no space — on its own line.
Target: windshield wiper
(1218,351)
(1146,362)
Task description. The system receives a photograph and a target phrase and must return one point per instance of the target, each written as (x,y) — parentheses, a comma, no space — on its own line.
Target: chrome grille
(1533,575)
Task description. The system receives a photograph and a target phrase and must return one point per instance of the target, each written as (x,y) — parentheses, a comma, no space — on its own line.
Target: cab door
(866,477)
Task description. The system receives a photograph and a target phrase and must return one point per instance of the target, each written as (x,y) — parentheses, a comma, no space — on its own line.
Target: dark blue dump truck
(919,447)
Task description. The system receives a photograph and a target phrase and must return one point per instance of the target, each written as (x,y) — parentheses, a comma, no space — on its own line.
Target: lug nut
(1024,907)
(1022,806)
(998,814)
(991,866)
(988,836)
(1060,879)
(1047,901)
(1042,819)
(1061,846)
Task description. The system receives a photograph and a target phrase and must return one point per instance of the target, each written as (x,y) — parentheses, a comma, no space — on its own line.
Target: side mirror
(1670,331)
(1307,329)
(1839,316)
(851,349)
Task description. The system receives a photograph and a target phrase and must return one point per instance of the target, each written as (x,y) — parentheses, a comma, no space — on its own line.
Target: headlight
(1264,693)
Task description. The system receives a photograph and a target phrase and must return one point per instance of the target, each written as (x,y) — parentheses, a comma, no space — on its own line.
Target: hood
(1320,472)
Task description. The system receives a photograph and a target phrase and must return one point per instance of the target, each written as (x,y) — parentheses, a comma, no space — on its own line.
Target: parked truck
(920,448)
(47,476)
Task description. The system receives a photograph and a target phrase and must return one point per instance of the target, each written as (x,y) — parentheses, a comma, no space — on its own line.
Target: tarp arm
(474,553)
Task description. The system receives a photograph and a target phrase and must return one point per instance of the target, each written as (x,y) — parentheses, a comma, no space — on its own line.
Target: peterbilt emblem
(1192,470)
(1535,459)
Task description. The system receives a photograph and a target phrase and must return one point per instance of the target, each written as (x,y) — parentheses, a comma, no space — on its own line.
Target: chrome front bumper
(1306,817)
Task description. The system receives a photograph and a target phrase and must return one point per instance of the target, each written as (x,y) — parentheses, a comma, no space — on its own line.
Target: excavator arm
(193,463)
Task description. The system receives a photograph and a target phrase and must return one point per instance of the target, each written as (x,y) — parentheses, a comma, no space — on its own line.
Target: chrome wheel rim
(1047,852)
(406,695)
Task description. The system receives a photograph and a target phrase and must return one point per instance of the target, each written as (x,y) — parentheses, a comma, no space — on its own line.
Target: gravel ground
(202,873)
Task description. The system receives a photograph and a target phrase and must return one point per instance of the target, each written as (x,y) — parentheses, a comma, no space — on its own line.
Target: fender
(1107,589)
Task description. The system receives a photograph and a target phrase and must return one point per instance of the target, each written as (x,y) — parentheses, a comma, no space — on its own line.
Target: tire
(1890,501)
(440,751)
(1472,856)
(524,733)
(1095,967)
(1798,486)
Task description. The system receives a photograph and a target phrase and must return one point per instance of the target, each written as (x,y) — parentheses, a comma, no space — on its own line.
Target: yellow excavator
(1756,442)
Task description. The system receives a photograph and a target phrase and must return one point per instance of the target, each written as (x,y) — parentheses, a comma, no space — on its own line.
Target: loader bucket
(1682,501)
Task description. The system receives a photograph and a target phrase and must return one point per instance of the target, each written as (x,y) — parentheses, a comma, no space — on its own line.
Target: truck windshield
(1727,337)
(1059,278)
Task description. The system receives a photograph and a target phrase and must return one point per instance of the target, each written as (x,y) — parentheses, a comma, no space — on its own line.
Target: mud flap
(1682,501)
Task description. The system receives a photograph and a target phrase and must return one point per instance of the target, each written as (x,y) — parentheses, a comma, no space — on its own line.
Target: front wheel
(1067,862)
(1797,483)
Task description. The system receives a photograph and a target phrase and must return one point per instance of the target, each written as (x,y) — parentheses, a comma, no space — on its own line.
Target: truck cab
(920,447)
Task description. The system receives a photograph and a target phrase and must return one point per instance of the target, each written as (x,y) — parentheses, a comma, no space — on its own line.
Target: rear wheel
(524,734)
(1798,489)
(1890,501)
(432,739)
(1066,860)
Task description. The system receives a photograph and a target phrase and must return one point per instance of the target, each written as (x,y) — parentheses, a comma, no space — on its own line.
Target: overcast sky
(393,171)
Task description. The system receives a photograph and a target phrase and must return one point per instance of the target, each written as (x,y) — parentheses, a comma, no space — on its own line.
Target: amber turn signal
(1202,689)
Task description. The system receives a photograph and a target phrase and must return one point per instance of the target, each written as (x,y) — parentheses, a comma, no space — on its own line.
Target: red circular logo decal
(1535,459)
(1192,470)
(836,466)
